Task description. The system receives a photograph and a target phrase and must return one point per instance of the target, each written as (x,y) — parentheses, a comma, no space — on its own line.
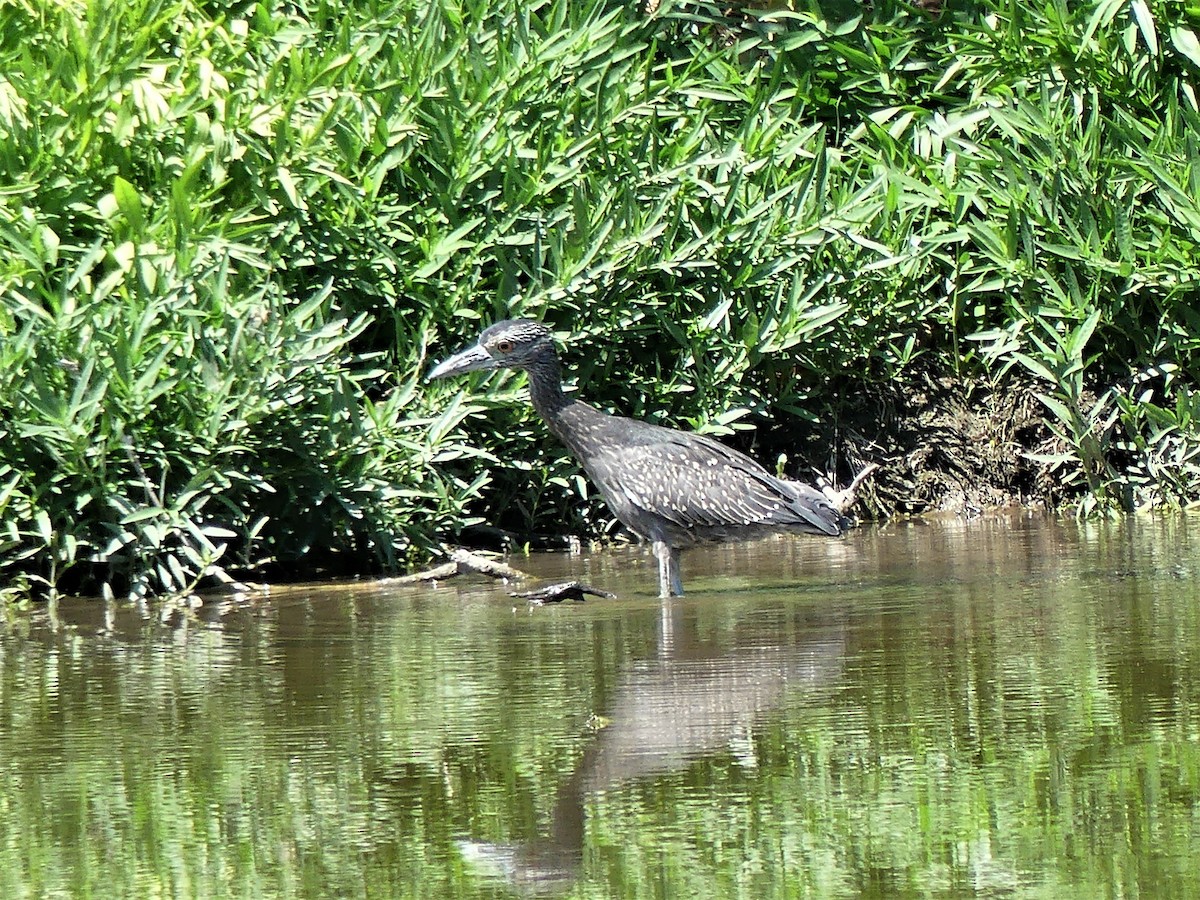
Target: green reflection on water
(997,708)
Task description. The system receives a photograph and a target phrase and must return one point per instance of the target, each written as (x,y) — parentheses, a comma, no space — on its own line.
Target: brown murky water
(997,708)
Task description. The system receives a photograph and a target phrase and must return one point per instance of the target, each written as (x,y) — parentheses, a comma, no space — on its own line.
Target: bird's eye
(504,346)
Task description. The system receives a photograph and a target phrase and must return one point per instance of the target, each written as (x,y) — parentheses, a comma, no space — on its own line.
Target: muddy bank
(945,445)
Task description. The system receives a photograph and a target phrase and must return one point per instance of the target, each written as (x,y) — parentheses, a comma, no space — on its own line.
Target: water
(999,708)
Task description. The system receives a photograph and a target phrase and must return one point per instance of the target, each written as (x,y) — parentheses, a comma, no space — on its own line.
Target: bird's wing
(697,482)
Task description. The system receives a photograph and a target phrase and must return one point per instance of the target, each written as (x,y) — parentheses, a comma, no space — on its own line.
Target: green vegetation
(231,230)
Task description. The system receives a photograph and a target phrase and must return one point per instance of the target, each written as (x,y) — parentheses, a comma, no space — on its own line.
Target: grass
(232,231)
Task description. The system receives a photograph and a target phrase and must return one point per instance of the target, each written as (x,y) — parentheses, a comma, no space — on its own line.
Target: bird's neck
(560,412)
(572,421)
(545,387)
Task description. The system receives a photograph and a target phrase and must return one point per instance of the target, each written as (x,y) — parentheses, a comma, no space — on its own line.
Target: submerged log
(464,562)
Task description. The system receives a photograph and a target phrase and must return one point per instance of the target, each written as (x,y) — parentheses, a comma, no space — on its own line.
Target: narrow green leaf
(141,515)
(288,184)
(1035,367)
(44,529)
(1185,42)
(1060,410)
(1145,23)
(129,202)
(1080,336)
(1102,16)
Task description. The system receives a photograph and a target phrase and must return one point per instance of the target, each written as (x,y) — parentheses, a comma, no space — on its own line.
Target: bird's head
(511,344)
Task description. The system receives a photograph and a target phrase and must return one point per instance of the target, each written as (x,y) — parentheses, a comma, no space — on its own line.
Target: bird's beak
(473,359)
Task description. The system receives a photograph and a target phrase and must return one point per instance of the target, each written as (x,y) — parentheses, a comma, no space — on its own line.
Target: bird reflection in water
(667,713)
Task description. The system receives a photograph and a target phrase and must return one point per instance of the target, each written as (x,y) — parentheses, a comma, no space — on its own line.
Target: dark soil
(945,445)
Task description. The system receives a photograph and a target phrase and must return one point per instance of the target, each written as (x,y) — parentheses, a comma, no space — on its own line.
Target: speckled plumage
(672,488)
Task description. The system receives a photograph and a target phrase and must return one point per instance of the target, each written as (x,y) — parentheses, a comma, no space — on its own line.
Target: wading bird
(672,488)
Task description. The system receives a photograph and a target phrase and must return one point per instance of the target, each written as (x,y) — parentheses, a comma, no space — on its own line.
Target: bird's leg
(669,582)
